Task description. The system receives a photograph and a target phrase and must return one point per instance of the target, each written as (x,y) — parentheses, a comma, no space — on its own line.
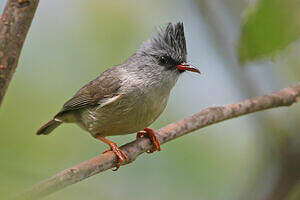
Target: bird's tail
(49,127)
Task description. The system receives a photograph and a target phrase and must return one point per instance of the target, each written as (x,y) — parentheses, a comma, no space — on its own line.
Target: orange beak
(188,67)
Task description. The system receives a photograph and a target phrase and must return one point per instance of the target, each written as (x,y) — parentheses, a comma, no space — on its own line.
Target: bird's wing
(95,92)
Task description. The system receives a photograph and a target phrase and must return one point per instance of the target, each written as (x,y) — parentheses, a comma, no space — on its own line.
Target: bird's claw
(151,135)
(119,153)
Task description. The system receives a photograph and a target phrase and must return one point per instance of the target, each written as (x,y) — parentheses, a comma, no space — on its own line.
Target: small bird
(128,97)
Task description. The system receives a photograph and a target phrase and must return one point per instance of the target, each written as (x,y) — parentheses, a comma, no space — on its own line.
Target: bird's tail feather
(49,127)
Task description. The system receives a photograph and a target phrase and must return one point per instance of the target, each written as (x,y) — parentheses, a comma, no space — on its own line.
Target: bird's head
(167,49)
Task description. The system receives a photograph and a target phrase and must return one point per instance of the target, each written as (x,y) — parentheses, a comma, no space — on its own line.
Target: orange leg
(114,148)
(148,132)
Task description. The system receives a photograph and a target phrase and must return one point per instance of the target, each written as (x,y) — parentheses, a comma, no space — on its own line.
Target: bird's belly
(128,115)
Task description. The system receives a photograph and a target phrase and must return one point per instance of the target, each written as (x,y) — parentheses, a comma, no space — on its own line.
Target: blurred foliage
(83,38)
(114,31)
(289,58)
(63,52)
(269,26)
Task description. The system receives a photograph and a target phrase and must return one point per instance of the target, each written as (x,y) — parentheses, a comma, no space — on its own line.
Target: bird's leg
(148,132)
(114,148)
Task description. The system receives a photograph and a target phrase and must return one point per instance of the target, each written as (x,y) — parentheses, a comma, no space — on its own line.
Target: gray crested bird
(128,97)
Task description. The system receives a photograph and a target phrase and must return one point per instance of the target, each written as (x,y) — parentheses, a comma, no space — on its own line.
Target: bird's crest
(168,39)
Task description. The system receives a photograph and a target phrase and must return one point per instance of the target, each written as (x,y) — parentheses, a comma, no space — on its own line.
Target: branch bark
(14,25)
(208,116)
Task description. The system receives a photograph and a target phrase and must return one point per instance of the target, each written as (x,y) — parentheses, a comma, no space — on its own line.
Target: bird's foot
(114,148)
(148,132)
(119,153)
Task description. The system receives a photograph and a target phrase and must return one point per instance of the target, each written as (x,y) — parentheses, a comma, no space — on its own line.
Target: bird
(129,97)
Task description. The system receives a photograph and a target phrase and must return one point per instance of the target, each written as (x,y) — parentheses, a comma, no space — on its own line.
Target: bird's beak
(188,67)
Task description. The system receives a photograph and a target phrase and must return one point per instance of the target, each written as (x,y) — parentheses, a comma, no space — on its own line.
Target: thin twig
(212,115)
(14,25)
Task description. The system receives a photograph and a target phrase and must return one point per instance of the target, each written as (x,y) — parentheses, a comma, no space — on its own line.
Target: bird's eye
(165,60)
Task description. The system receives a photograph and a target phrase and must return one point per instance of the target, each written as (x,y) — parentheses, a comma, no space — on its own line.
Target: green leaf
(268,26)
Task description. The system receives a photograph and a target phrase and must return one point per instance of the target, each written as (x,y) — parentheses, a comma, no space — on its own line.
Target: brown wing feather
(105,86)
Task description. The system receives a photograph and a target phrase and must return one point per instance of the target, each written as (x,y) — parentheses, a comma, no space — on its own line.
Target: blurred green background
(72,42)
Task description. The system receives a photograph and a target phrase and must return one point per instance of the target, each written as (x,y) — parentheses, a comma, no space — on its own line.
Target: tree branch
(14,25)
(208,116)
